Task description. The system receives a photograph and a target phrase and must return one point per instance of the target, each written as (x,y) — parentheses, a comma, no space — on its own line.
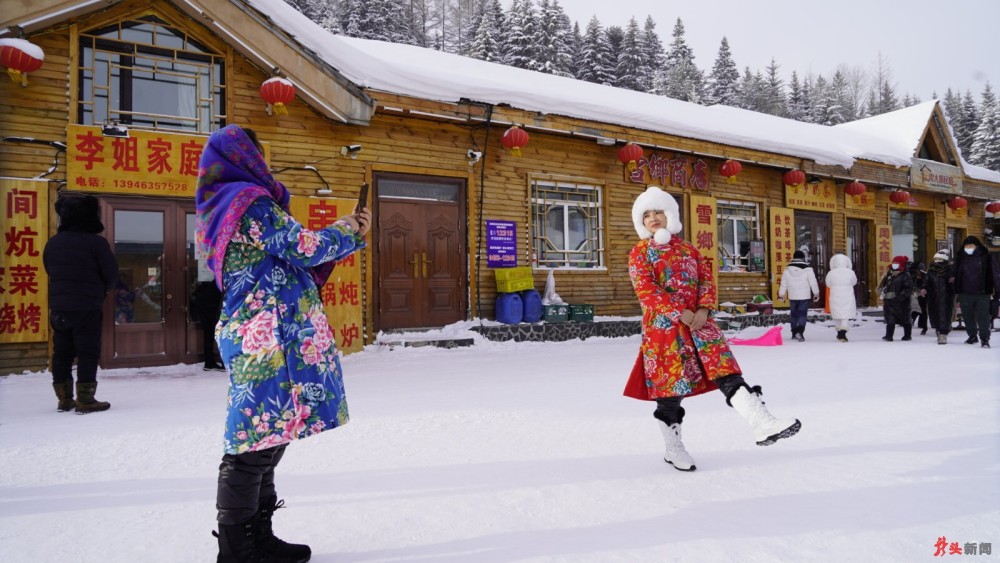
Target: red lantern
(629,154)
(514,138)
(855,188)
(730,169)
(993,207)
(20,57)
(794,178)
(899,197)
(957,202)
(277,92)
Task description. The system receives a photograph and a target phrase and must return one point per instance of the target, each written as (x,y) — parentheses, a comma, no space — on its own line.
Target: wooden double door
(422,272)
(859,247)
(146,320)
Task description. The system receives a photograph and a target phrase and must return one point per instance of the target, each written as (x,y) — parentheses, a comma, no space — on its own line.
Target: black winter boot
(64,392)
(271,547)
(236,543)
(889,330)
(85,401)
(842,335)
(907,332)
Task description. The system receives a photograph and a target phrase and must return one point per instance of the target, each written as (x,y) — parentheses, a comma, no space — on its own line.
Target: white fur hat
(655,199)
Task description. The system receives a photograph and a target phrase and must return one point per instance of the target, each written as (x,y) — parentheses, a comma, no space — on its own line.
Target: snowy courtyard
(529,452)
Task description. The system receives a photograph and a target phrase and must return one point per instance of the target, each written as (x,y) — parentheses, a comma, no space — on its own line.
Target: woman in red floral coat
(683,352)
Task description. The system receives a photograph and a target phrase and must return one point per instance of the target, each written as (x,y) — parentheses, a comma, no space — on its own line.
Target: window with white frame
(739,223)
(148,73)
(567,224)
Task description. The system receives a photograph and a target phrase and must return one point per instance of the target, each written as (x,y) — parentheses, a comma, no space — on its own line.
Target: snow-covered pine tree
(653,56)
(883,88)
(486,43)
(724,80)
(775,101)
(594,60)
(614,36)
(965,129)
(629,59)
(797,106)
(986,139)
(522,36)
(750,91)
(682,78)
(821,101)
(575,44)
(459,24)
(350,14)
(554,37)
(952,107)
(838,112)
(316,10)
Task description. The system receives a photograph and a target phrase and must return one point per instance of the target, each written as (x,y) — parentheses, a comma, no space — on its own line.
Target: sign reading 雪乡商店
(935,176)
(703,231)
(24,290)
(341,293)
(677,171)
(782,239)
(821,196)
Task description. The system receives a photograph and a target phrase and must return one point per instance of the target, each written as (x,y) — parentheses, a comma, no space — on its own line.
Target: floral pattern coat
(285,377)
(675,361)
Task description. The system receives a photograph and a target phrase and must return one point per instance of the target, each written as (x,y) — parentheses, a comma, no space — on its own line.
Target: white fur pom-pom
(662,236)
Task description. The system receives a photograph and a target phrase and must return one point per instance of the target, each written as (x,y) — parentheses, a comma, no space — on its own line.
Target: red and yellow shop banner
(782,239)
(342,292)
(817,197)
(883,250)
(24,288)
(863,202)
(702,224)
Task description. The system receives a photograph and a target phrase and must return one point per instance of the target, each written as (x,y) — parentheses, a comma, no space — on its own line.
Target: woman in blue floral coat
(274,338)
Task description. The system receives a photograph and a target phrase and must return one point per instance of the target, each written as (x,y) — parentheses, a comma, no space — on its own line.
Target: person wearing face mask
(974,281)
(683,351)
(895,288)
(940,297)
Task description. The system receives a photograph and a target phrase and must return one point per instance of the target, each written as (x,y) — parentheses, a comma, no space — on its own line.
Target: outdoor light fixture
(350,150)
(114,129)
(605,141)
(814,179)
(474,156)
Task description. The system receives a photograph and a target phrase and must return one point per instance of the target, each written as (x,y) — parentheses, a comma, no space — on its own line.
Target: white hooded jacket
(841,280)
(798,281)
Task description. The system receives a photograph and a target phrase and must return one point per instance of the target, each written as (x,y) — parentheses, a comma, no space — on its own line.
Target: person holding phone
(285,378)
(683,351)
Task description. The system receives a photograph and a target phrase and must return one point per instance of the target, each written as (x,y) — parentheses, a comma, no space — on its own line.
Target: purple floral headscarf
(232,175)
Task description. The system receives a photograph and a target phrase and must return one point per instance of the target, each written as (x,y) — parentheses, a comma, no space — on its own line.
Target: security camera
(474,156)
(350,150)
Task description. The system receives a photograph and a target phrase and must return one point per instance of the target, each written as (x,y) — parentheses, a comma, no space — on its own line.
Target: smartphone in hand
(362,198)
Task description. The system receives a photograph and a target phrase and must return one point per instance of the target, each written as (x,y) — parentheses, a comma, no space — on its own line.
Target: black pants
(920,319)
(244,480)
(209,300)
(976,314)
(75,335)
(669,409)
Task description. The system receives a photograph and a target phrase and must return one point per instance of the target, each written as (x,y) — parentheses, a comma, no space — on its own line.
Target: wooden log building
(129,91)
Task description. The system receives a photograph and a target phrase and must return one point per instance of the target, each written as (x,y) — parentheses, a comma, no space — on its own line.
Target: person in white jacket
(840,281)
(799,282)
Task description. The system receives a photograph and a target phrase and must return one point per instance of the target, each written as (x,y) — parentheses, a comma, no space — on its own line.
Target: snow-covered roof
(434,75)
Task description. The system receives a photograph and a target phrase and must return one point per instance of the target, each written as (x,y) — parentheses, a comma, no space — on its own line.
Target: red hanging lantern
(20,57)
(957,202)
(794,178)
(855,188)
(899,197)
(993,207)
(514,138)
(629,154)
(277,92)
(730,169)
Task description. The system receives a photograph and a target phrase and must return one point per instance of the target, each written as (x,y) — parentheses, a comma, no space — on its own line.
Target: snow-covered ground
(529,452)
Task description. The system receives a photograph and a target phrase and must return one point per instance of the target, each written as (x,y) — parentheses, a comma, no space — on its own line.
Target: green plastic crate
(581,313)
(555,313)
(510,280)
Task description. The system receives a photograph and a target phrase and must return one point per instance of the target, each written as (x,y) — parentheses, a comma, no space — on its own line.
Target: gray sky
(930,45)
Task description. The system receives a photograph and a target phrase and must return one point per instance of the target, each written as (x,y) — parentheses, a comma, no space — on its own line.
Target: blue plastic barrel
(532,306)
(510,310)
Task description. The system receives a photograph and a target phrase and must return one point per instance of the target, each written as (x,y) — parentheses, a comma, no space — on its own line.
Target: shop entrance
(955,239)
(909,234)
(146,321)
(421,257)
(857,250)
(812,236)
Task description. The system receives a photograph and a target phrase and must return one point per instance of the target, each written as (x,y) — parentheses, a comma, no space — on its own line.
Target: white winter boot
(675,453)
(766,428)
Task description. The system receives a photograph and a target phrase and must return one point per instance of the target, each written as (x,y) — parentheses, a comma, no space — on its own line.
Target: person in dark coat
(206,305)
(974,281)
(940,297)
(918,313)
(81,270)
(896,288)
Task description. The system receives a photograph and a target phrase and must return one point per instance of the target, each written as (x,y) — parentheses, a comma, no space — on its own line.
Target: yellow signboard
(883,250)
(863,202)
(704,232)
(342,292)
(782,239)
(821,196)
(24,288)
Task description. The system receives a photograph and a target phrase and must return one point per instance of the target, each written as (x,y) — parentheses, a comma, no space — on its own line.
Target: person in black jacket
(974,282)
(940,297)
(896,288)
(81,270)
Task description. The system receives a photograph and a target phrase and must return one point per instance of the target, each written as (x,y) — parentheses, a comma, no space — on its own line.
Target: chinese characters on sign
(24,291)
(935,176)
(678,171)
(341,293)
(863,202)
(818,197)
(782,238)
(703,231)
(883,249)
(943,547)
(501,244)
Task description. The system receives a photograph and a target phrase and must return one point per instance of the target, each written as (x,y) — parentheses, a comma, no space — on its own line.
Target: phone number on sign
(146,185)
